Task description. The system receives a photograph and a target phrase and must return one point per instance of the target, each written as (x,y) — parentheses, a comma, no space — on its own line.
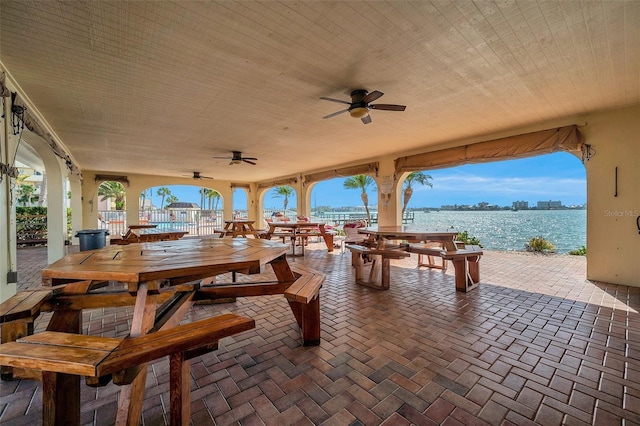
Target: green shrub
(539,245)
(465,238)
(582,251)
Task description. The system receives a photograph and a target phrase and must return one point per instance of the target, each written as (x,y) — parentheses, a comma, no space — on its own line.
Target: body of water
(511,230)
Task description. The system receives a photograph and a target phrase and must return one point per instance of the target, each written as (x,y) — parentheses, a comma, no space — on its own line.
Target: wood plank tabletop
(192,258)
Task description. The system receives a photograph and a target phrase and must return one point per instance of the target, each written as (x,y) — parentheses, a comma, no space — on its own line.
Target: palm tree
(407,192)
(171,199)
(283,191)
(114,190)
(203,193)
(213,196)
(26,194)
(163,192)
(42,198)
(361,182)
(143,198)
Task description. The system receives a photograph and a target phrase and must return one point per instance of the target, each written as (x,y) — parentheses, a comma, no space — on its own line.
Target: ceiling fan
(360,105)
(237,158)
(198,176)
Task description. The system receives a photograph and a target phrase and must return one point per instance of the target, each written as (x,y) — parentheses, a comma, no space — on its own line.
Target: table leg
(61,392)
(131,396)
(467,271)
(307,315)
(179,391)
(60,399)
(308,318)
(328,238)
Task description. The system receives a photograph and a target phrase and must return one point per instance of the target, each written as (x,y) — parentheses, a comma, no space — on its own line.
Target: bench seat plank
(62,356)
(138,350)
(380,260)
(25,304)
(59,352)
(305,288)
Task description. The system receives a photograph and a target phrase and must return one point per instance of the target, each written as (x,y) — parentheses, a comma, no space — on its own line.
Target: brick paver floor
(535,343)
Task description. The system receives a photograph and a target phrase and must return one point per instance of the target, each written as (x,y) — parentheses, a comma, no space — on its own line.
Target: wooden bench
(17,315)
(360,253)
(304,299)
(430,251)
(60,355)
(466,262)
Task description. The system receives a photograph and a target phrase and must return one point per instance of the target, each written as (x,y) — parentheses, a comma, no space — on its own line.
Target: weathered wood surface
(299,230)
(378,261)
(64,355)
(412,233)
(188,259)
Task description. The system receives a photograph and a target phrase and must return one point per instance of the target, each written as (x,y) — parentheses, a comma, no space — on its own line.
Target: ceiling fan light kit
(198,176)
(237,158)
(359,106)
(359,111)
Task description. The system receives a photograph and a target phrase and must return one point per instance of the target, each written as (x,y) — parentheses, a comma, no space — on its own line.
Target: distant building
(520,205)
(183,212)
(546,205)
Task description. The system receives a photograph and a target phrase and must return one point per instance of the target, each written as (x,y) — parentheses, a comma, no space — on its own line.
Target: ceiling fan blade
(366,119)
(206,177)
(388,107)
(335,100)
(372,96)
(223,158)
(250,158)
(336,113)
(246,160)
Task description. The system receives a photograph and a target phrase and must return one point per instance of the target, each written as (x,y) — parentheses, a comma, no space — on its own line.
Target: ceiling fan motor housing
(358,107)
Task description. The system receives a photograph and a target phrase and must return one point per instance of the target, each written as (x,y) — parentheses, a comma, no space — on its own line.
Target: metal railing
(340,218)
(195,222)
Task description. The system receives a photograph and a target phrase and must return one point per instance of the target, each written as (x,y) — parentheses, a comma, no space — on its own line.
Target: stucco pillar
(75,186)
(8,263)
(56,211)
(388,213)
(132,203)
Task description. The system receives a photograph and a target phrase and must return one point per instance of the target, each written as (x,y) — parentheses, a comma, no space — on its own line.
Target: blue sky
(560,176)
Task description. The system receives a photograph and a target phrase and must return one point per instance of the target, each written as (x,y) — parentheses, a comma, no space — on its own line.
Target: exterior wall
(613,238)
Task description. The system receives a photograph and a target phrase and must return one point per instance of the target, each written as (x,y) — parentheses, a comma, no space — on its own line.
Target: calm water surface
(511,230)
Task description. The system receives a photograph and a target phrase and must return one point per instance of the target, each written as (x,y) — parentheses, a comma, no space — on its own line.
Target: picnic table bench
(299,233)
(361,256)
(417,240)
(161,281)
(60,355)
(465,259)
(148,233)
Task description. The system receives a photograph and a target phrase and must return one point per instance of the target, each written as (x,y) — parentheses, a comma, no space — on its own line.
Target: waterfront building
(520,205)
(545,205)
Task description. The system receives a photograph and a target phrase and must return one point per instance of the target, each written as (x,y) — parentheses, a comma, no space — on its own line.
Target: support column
(388,207)
(8,263)
(75,186)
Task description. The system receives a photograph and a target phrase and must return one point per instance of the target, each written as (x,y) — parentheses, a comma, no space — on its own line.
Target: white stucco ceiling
(159,87)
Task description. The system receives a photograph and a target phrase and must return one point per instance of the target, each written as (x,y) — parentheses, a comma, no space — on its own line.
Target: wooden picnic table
(299,232)
(239,228)
(411,233)
(147,234)
(161,281)
(465,260)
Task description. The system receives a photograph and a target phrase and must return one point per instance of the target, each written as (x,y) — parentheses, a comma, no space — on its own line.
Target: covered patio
(153,93)
(535,344)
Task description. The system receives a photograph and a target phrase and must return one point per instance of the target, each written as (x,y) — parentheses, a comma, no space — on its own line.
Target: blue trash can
(91,239)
